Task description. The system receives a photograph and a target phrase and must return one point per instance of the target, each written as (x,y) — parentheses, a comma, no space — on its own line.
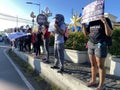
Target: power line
(14,18)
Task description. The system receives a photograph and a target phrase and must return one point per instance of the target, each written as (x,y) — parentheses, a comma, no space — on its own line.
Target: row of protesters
(25,42)
(34,39)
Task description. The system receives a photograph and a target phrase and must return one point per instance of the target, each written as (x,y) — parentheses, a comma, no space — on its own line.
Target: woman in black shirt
(98,32)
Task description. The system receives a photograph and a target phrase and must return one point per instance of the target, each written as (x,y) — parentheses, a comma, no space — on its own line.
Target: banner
(15,35)
(93,11)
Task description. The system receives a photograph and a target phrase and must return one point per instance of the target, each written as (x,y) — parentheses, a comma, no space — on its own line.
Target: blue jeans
(59,54)
(46,47)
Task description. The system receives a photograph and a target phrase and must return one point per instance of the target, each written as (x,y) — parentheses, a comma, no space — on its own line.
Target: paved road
(10,76)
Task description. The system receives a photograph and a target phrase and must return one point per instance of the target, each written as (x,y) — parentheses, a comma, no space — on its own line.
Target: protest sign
(15,35)
(41,19)
(93,11)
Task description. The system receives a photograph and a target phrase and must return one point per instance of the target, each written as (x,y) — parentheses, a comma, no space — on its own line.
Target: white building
(111,17)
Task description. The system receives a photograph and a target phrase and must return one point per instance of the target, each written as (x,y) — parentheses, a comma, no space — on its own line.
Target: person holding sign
(98,32)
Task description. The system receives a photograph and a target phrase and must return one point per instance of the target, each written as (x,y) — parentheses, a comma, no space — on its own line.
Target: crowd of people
(97,30)
(31,43)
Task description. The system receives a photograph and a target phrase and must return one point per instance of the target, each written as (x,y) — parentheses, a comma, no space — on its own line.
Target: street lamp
(33,16)
(38,4)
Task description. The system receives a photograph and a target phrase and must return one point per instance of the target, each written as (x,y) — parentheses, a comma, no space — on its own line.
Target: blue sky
(21,9)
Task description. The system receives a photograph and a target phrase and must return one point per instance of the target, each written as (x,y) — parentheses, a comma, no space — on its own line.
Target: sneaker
(61,70)
(54,67)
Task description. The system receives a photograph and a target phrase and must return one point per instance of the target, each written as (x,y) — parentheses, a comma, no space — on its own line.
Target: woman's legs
(102,72)
(97,64)
(97,59)
(93,69)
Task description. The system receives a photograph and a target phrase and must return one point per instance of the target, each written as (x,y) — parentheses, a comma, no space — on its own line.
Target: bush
(76,41)
(115,48)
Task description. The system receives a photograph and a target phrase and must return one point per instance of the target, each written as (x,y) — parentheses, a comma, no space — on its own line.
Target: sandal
(100,88)
(90,84)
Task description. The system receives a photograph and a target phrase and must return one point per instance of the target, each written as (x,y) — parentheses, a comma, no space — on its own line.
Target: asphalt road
(11,77)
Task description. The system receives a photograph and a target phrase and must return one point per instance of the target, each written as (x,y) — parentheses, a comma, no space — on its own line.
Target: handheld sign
(15,35)
(41,19)
(93,11)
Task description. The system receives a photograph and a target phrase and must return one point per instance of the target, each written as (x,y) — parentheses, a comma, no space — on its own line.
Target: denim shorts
(95,49)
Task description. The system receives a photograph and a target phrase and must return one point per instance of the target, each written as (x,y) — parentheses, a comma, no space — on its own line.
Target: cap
(59,17)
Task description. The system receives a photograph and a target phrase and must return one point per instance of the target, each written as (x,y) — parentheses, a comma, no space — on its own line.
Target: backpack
(109,40)
(66,34)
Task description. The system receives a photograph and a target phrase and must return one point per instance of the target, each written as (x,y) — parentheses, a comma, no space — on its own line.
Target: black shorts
(95,49)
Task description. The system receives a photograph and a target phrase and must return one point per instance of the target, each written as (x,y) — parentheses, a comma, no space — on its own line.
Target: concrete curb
(64,81)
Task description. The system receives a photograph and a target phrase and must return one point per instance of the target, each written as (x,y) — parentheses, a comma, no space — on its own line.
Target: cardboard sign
(93,11)
(41,19)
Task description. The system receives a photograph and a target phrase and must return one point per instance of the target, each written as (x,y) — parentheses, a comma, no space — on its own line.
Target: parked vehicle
(1,38)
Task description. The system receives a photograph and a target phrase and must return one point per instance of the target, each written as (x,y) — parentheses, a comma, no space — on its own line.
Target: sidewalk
(74,77)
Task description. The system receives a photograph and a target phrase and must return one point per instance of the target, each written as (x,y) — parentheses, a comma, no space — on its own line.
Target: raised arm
(84,29)
(108,30)
(59,29)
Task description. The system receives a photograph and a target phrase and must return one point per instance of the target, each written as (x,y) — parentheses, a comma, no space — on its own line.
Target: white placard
(93,11)
(15,35)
